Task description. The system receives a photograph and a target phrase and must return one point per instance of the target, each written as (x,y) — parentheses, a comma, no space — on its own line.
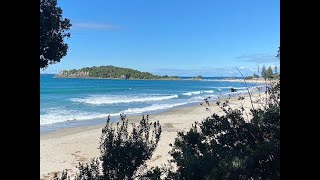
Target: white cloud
(258,58)
(207,72)
(95,26)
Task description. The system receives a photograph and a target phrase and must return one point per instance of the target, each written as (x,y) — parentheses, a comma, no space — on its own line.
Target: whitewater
(75,102)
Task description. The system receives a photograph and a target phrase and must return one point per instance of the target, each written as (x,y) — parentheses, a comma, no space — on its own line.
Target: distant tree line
(111,72)
(269,73)
(199,77)
(251,77)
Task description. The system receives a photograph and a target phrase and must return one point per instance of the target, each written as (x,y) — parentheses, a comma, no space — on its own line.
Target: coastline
(65,148)
(258,81)
(114,78)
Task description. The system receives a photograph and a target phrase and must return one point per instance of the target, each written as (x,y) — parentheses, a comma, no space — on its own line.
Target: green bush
(248,77)
(227,147)
(122,152)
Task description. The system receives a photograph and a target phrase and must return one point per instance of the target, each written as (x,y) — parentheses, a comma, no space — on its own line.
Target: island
(197,78)
(111,72)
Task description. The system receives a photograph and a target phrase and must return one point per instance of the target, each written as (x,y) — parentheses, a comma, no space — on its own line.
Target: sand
(63,149)
(256,80)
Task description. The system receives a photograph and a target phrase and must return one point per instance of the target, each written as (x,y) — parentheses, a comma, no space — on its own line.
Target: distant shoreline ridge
(111,72)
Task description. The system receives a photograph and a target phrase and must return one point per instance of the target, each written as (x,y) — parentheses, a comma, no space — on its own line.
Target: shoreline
(98,121)
(65,148)
(258,81)
(114,119)
(177,79)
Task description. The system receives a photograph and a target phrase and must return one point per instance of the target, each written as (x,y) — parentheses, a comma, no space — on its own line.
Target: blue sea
(75,102)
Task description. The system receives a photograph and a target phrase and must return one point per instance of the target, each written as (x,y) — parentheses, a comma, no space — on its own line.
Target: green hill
(110,72)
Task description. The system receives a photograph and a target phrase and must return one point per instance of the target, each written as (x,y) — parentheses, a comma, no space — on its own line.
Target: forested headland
(110,72)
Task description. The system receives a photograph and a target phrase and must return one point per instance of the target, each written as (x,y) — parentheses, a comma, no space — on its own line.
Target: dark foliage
(111,72)
(152,174)
(251,77)
(268,73)
(278,54)
(53,30)
(227,147)
(89,171)
(122,152)
(64,176)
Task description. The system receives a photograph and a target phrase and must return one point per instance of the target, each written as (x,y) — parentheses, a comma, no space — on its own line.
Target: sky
(172,37)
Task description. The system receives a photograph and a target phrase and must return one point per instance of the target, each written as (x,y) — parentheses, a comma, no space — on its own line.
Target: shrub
(227,147)
(122,152)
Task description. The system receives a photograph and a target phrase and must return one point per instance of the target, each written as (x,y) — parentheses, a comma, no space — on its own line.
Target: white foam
(242,88)
(245,89)
(240,92)
(209,80)
(229,87)
(56,115)
(201,98)
(197,92)
(191,93)
(114,99)
(153,107)
(197,98)
(59,115)
(209,91)
(223,87)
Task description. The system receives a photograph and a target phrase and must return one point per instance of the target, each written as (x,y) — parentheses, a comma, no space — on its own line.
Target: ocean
(76,102)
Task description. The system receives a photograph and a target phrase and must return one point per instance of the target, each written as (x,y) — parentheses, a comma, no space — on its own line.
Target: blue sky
(173,37)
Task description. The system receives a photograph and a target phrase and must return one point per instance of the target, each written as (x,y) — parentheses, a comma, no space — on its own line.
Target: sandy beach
(65,148)
(257,80)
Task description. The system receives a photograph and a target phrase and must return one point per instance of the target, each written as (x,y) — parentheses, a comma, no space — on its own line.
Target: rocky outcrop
(123,76)
(73,74)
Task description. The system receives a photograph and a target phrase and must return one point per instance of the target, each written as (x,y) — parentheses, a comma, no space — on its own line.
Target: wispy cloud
(209,72)
(258,58)
(95,26)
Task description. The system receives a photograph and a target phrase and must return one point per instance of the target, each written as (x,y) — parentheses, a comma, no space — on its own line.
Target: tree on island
(53,30)
(199,77)
(111,72)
